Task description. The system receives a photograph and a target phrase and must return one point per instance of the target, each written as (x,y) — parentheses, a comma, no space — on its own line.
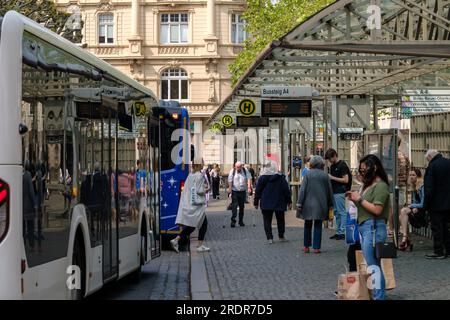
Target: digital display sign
(252,122)
(286,108)
(351,136)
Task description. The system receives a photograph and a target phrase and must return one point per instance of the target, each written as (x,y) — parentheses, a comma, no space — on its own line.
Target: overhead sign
(350,134)
(252,122)
(227,120)
(286,92)
(216,126)
(286,108)
(424,101)
(140,109)
(247,107)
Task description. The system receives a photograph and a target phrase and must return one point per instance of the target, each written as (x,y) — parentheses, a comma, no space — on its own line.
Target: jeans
(340,213)
(367,246)
(441,234)
(187,230)
(267,216)
(238,200)
(317,240)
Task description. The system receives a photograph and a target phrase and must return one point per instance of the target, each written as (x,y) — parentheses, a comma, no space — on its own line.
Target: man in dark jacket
(437,202)
(273,195)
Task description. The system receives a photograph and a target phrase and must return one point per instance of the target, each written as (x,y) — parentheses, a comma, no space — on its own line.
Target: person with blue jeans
(315,199)
(340,177)
(373,212)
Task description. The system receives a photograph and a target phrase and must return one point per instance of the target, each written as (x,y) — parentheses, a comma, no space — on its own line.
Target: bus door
(384,144)
(110,217)
(154,186)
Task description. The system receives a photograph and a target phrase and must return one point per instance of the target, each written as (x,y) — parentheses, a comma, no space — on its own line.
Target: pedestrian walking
(437,202)
(373,212)
(239,183)
(341,180)
(192,211)
(315,199)
(273,195)
(215,179)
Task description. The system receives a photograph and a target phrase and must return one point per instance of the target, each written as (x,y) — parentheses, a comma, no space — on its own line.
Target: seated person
(414,213)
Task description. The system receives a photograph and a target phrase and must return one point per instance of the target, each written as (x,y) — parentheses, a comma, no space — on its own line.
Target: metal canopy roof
(335,52)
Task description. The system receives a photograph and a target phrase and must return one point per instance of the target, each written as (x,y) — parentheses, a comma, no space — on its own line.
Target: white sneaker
(203,248)
(270,241)
(174,244)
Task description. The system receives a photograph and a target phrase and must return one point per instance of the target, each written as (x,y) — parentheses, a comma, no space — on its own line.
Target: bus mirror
(23,129)
(192,153)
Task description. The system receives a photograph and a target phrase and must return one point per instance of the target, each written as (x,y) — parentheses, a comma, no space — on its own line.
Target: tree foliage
(267,21)
(46,13)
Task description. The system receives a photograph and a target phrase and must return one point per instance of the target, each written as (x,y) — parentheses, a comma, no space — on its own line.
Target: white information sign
(286,92)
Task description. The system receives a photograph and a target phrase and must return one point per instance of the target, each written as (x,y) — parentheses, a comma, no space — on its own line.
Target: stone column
(210,38)
(211,5)
(135,40)
(135,18)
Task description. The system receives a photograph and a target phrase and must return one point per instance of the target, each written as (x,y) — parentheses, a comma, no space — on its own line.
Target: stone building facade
(180,49)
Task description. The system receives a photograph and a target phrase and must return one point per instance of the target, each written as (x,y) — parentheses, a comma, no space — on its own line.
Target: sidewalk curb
(199,280)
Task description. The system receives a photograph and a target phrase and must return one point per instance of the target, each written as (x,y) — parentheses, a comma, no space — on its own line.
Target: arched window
(174,85)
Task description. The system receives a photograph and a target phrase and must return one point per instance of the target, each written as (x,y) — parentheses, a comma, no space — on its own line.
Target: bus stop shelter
(375,49)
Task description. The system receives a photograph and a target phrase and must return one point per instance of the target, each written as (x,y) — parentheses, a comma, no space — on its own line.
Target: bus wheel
(137,275)
(78,259)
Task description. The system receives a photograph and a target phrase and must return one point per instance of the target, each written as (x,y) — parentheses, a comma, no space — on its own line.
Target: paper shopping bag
(353,286)
(386,266)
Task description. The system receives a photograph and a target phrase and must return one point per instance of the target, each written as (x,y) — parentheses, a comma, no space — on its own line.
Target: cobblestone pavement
(165,278)
(242,266)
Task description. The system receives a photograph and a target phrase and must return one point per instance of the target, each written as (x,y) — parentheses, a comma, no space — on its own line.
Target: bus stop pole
(375,113)
(334,123)
(314,133)
(325,122)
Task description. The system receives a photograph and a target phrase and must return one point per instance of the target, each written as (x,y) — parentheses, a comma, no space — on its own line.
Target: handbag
(383,250)
(230,204)
(352,227)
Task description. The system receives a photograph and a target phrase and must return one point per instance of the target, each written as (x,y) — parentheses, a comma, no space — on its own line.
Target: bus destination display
(286,108)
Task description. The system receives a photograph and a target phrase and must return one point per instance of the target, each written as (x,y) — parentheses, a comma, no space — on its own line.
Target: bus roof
(47,35)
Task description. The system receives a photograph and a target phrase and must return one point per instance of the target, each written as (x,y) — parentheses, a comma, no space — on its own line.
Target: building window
(174,85)
(105,28)
(174,28)
(238,34)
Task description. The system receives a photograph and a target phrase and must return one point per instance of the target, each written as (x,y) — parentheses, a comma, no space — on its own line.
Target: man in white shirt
(239,182)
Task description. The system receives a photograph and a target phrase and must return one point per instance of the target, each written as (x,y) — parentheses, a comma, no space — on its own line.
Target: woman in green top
(373,212)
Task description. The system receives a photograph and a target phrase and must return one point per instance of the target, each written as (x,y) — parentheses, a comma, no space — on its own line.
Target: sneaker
(270,241)
(241,224)
(233,225)
(305,249)
(174,244)
(334,237)
(283,240)
(203,248)
(317,251)
(435,256)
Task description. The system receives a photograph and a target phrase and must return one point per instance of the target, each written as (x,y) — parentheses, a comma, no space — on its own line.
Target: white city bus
(79,168)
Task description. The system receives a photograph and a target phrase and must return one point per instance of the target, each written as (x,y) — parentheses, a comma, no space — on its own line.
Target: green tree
(268,21)
(45,12)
